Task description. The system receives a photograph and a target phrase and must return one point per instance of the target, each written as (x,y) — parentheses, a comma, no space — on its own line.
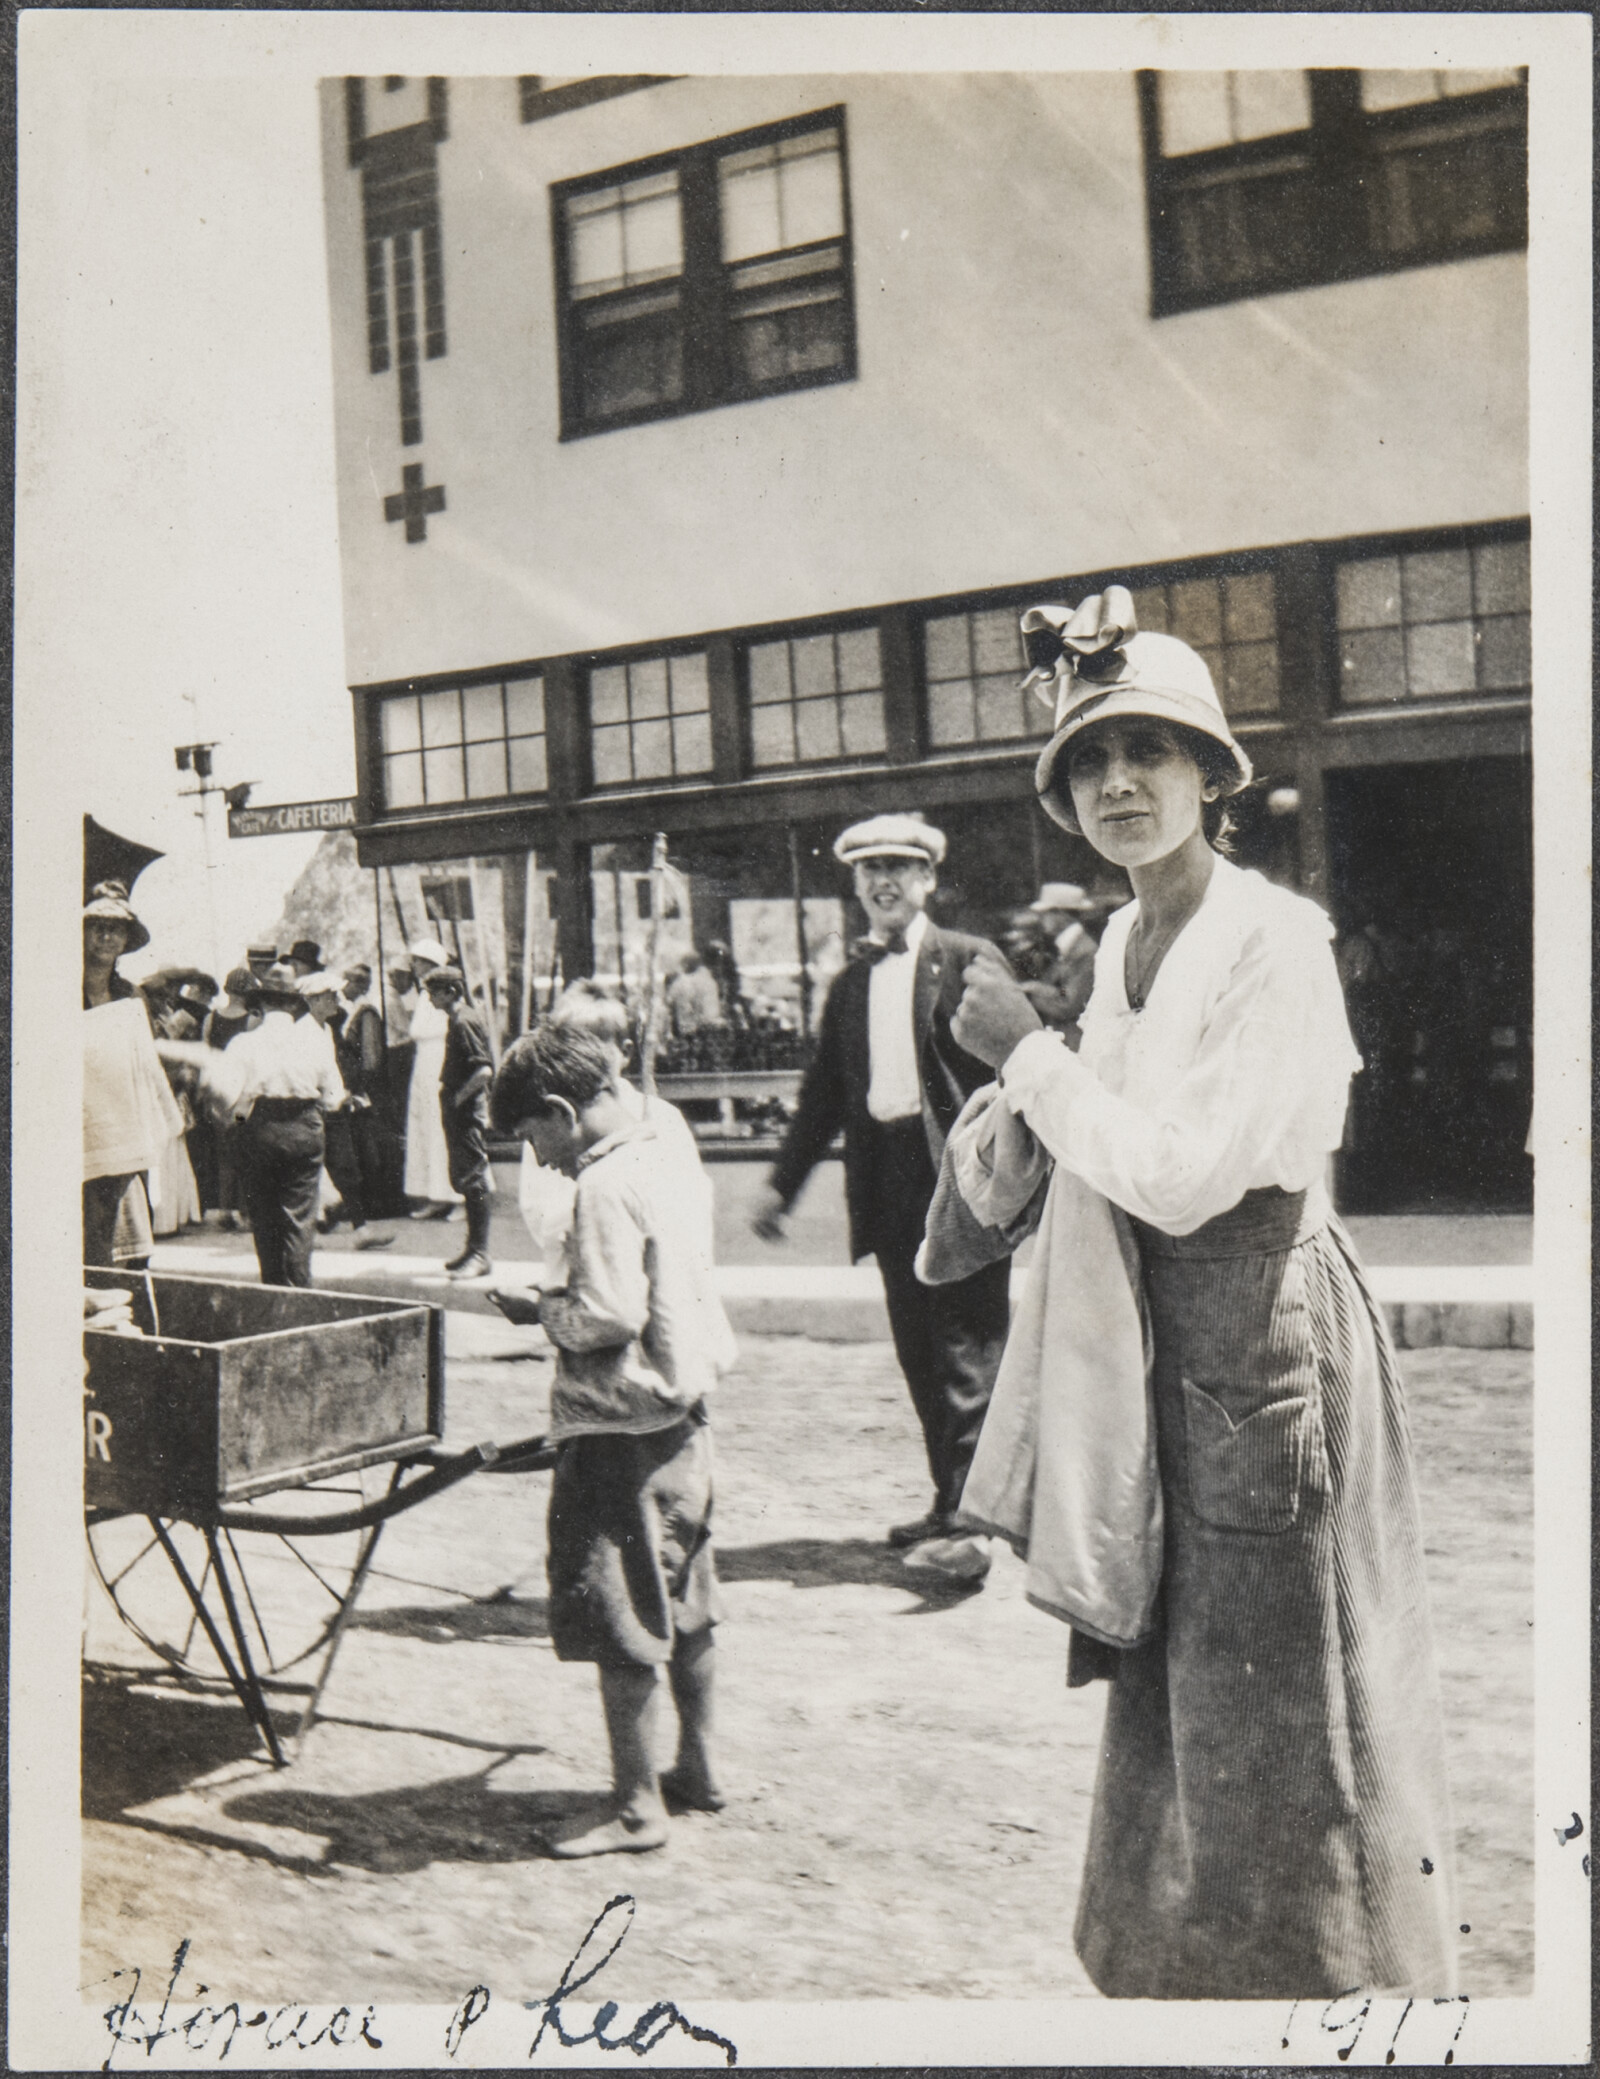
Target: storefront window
(1434,624)
(496,919)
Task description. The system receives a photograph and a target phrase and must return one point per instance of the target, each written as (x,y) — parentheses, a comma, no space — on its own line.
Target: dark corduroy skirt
(1271,1818)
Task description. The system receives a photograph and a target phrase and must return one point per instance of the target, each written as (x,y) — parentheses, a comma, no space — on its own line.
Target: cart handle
(445,1473)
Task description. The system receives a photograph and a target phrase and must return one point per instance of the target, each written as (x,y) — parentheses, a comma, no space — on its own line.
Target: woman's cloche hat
(110,899)
(1100,666)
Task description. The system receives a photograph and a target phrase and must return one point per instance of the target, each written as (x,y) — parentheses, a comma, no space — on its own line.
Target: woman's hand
(994,1014)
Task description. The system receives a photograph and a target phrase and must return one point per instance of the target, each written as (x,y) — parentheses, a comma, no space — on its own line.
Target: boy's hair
(586,1010)
(554,1061)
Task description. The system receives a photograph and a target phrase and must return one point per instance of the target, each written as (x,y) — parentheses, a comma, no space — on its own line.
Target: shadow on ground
(831,1562)
(140,1746)
(505,1617)
(461,1820)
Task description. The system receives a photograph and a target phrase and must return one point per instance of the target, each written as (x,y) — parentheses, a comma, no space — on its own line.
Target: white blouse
(1235,1075)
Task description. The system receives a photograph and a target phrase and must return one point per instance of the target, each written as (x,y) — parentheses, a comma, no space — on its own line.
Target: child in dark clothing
(640,1337)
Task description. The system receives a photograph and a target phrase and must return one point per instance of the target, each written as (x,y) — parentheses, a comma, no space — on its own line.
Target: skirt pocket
(1247,1475)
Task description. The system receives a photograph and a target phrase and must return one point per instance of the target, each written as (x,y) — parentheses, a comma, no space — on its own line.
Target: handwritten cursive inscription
(1432,2028)
(202,2027)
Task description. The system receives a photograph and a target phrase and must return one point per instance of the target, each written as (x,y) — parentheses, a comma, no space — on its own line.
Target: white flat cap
(890,837)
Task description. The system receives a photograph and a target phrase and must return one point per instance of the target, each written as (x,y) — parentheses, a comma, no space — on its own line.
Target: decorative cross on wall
(414,503)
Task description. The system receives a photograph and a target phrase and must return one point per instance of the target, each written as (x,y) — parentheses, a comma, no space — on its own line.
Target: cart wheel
(288,1590)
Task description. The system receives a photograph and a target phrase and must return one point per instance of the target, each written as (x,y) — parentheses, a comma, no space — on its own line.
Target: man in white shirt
(889,1074)
(290,1079)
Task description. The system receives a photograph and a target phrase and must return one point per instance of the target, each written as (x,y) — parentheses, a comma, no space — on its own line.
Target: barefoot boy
(640,1336)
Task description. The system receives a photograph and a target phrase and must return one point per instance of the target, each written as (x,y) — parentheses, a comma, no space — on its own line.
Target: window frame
(1330,163)
(460,685)
(705,318)
(790,633)
(1342,713)
(627,660)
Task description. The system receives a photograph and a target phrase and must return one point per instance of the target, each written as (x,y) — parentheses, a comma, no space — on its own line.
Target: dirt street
(911,1777)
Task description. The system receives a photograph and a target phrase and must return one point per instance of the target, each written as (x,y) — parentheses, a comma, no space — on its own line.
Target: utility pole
(196,758)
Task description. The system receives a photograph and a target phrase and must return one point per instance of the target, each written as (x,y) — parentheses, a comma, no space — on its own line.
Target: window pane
(772,735)
(652,229)
(1194,111)
(1505,653)
(1251,686)
(594,239)
(401,729)
(813,665)
(525,707)
(1369,593)
(634,366)
(608,694)
(997,642)
(652,750)
(816,729)
(789,332)
(1500,577)
(769,671)
(647,686)
(950,717)
(859,662)
(861,724)
(1372,666)
(482,713)
(528,770)
(402,780)
(945,647)
(1196,609)
(1248,608)
(1150,609)
(611,762)
(810,195)
(443,775)
(1440,658)
(486,769)
(749,195)
(691,742)
(441,719)
(1381,89)
(691,693)
(1438,586)
(999,710)
(1265,104)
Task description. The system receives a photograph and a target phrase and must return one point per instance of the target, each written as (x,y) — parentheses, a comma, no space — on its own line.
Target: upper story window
(815,697)
(1433,623)
(466,743)
(718,274)
(974,665)
(650,719)
(1270,180)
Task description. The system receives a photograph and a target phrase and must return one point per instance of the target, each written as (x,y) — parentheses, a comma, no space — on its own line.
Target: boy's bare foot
(690,1791)
(624,1833)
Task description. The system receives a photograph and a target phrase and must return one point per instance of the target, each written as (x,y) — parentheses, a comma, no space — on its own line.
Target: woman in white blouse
(1270,1817)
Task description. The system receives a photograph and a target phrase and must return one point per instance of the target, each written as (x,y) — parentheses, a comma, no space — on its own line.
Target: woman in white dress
(1270,1815)
(427,1171)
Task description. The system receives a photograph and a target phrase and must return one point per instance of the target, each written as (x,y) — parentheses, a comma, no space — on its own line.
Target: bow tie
(873,950)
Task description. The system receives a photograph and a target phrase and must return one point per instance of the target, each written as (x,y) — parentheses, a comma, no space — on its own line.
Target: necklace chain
(1145,963)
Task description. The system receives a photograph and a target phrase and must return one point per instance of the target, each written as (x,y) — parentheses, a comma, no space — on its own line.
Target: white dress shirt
(288,1057)
(894,1081)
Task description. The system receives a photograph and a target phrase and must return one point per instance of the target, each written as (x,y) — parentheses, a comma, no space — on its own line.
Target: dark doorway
(1431,869)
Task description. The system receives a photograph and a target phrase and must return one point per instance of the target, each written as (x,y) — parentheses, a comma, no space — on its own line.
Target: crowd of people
(1192,1429)
(283,1103)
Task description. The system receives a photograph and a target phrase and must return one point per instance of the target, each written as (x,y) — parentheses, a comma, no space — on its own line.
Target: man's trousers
(280,1149)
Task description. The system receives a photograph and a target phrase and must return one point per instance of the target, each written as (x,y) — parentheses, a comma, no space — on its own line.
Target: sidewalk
(1476,1302)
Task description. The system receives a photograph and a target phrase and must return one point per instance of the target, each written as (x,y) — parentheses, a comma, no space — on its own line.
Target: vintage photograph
(821,891)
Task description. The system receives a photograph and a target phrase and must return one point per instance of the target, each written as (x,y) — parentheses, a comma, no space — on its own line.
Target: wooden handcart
(246,1424)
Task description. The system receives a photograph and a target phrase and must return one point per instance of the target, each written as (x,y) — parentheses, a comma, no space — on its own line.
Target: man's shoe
(933,1525)
(475,1265)
(963,1558)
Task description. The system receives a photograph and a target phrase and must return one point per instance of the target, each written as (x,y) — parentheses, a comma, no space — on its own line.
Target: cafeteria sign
(291,817)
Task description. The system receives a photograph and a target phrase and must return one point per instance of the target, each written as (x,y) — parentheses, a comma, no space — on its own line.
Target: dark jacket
(834,1093)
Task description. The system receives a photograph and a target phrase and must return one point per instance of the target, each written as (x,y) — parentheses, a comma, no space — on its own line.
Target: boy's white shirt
(544,1195)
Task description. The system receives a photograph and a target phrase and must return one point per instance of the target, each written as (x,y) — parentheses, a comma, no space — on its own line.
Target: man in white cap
(889,1074)
(1061,991)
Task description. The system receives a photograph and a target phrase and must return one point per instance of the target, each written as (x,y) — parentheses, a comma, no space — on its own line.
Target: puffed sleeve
(1261,1102)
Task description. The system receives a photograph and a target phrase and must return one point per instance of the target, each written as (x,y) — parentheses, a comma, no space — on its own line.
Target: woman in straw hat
(129,1113)
(1270,1817)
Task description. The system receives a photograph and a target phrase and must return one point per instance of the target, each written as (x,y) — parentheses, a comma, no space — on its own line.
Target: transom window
(720,275)
(466,743)
(974,667)
(816,696)
(1232,622)
(1270,180)
(650,719)
(1434,623)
